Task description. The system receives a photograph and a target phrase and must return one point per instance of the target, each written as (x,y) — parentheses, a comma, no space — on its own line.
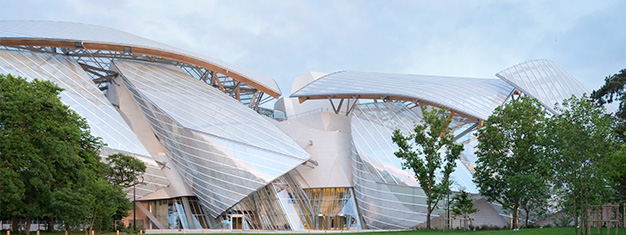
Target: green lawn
(533,231)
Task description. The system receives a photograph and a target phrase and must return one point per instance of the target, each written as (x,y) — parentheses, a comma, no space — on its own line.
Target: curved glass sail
(387,195)
(543,80)
(475,97)
(84,33)
(224,150)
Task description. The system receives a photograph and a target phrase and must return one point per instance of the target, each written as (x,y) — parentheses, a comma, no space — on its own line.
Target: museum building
(322,158)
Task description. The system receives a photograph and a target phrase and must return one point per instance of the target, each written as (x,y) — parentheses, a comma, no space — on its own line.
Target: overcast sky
(285,39)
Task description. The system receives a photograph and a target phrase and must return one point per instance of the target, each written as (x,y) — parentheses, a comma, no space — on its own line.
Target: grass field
(533,231)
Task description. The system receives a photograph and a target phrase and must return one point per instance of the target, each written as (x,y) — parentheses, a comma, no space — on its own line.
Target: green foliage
(50,164)
(71,204)
(616,173)
(44,145)
(613,90)
(124,170)
(511,168)
(424,155)
(462,205)
(580,144)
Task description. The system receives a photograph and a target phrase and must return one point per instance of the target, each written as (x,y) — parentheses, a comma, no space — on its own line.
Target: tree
(71,204)
(511,169)
(46,148)
(462,205)
(107,203)
(424,155)
(124,170)
(616,172)
(614,89)
(580,143)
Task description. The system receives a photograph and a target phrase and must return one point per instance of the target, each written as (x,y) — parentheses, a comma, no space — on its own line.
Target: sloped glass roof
(543,80)
(471,96)
(78,32)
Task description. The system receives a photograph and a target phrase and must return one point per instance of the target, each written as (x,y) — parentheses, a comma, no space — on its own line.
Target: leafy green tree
(580,144)
(46,147)
(105,204)
(124,170)
(71,204)
(462,205)
(424,155)
(614,89)
(616,171)
(511,169)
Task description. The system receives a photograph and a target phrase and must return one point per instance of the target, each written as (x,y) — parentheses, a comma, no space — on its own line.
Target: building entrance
(237,222)
(331,222)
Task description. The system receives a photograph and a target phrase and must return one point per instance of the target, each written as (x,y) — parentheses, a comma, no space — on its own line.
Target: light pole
(134,209)
(448,218)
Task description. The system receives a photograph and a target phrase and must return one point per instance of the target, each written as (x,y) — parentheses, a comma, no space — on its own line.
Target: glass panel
(80,93)
(224,150)
(334,208)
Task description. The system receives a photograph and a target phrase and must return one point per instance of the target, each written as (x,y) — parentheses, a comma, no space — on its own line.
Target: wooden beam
(238,93)
(253,100)
(216,80)
(447,124)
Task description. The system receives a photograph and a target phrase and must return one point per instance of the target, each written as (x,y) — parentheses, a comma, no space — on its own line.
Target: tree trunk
(526,220)
(29,215)
(51,224)
(14,225)
(514,220)
(29,219)
(575,220)
(428,216)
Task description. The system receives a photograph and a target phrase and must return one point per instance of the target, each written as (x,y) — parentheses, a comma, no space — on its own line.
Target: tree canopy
(51,164)
(422,153)
(510,168)
(124,170)
(613,90)
(580,145)
(462,205)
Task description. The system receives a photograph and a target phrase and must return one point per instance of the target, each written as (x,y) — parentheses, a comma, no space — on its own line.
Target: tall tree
(422,153)
(580,144)
(511,169)
(613,90)
(44,144)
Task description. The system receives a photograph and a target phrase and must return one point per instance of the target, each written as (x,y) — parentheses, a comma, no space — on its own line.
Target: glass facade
(387,195)
(223,150)
(278,206)
(171,213)
(334,208)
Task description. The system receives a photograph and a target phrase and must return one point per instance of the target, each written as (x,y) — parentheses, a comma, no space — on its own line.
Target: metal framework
(96,64)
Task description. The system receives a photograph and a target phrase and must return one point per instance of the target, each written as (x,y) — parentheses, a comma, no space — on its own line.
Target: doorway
(237,222)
